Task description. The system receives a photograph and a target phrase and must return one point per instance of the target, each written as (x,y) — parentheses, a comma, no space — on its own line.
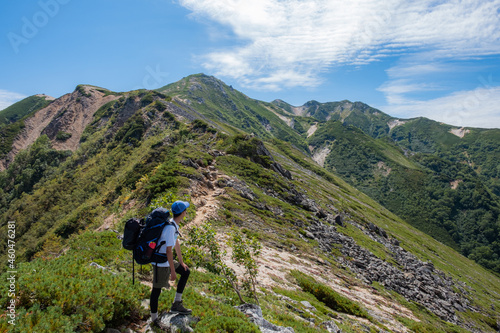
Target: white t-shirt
(169,235)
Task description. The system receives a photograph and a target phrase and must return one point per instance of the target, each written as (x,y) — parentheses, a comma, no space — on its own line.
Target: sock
(154,316)
(178,297)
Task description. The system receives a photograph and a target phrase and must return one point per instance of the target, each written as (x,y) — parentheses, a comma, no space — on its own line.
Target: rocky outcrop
(261,150)
(75,115)
(414,279)
(254,314)
(173,322)
(331,327)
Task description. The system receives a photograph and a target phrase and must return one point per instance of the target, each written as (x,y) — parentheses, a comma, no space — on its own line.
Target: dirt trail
(276,264)
(207,204)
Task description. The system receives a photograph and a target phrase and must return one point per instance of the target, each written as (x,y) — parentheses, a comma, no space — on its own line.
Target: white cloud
(290,43)
(474,108)
(415,75)
(8,98)
(395,90)
(285,40)
(418,69)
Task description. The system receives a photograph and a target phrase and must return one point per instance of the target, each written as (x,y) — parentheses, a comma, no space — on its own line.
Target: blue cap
(179,206)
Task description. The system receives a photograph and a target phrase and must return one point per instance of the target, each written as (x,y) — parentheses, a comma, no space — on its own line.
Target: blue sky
(432,58)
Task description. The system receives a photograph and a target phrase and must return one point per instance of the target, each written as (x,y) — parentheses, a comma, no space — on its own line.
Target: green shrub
(132,131)
(430,327)
(491,321)
(203,250)
(328,296)
(202,127)
(81,89)
(159,106)
(29,167)
(63,136)
(164,177)
(147,99)
(251,148)
(68,295)
(50,319)
(253,173)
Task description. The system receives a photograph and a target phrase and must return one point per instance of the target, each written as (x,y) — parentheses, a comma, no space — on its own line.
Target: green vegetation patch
(253,172)
(28,168)
(21,109)
(81,89)
(12,120)
(67,294)
(63,136)
(329,297)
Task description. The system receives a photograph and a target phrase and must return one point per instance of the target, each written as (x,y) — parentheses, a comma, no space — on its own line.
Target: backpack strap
(175,226)
(156,253)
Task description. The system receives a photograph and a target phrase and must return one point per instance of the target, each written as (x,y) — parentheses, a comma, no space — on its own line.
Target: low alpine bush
(328,296)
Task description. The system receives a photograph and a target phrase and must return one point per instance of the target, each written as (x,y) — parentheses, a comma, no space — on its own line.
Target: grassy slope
(417,186)
(221,103)
(21,109)
(11,119)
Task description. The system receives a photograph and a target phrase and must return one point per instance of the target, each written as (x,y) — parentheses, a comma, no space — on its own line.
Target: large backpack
(133,228)
(143,239)
(148,245)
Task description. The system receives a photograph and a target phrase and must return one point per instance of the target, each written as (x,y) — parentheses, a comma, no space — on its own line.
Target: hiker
(171,268)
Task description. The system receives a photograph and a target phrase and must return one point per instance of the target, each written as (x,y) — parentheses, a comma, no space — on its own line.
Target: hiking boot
(158,324)
(177,307)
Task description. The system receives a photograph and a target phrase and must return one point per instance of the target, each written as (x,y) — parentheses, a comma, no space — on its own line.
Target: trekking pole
(133,269)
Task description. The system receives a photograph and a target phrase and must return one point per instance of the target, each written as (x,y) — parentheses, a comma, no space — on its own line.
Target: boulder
(175,322)
(331,327)
(254,314)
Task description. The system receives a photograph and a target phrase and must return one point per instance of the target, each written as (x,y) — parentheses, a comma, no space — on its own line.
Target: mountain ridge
(142,144)
(208,98)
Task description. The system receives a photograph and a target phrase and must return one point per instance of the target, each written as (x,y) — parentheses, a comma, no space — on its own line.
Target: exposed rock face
(416,280)
(75,116)
(320,155)
(460,132)
(70,113)
(395,122)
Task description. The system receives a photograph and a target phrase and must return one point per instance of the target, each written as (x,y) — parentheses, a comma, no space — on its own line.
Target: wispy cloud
(396,90)
(8,98)
(472,108)
(413,77)
(291,43)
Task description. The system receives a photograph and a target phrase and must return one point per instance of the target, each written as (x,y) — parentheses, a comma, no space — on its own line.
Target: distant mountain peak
(66,116)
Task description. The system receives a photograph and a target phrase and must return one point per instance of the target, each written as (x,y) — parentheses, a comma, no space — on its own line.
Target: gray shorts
(161,276)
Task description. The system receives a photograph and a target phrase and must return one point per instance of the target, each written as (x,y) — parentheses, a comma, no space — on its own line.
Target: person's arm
(179,254)
(170,258)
